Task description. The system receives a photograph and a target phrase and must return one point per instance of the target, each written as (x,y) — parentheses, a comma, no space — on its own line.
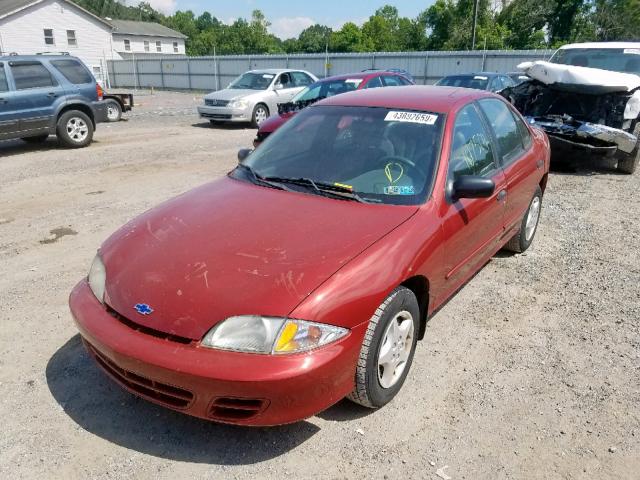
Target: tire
(628,162)
(114,111)
(38,139)
(528,227)
(259,115)
(376,385)
(75,129)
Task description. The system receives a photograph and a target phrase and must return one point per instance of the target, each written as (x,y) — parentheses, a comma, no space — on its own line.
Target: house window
(146,45)
(175,47)
(71,38)
(48,37)
(127,45)
(158,46)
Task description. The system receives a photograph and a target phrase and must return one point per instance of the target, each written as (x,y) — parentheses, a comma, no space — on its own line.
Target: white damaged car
(586,97)
(254,95)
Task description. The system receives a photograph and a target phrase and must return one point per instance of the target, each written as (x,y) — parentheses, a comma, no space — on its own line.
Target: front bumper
(228,387)
(99,112)
(225,114)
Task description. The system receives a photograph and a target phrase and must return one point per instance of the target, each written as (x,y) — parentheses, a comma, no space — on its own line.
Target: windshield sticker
(356,81)
(399,190)
(411,117)
(393,171)
(343,185)
(266,75)
(633,51)
(480,77)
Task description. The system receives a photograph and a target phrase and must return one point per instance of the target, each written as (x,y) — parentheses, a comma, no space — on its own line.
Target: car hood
(230,94)
(231,248)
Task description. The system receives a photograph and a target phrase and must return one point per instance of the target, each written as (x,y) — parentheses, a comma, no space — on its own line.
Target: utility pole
(475,24)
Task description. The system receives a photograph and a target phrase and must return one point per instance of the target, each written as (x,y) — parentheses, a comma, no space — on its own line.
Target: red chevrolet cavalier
(309,272)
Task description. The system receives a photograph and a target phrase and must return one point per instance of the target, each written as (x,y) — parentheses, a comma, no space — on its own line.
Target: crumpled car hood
(232,248)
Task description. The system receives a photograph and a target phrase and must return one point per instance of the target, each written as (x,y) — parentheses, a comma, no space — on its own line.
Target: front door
(8,118)
(36,93)
(472,227)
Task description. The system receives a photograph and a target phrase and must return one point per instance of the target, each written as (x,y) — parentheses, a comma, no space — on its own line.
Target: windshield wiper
(260,180)
(324,189)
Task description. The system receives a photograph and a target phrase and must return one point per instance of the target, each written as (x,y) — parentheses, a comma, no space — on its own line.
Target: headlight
(256,334)
(97,278)
(240,103)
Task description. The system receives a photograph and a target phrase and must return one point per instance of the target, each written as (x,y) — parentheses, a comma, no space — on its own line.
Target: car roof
(476,74)
(8,58)
(275,70)
(414,97)
(362,75)
(616,45)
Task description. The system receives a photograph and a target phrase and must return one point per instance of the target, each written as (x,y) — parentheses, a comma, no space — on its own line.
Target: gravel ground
(532,371)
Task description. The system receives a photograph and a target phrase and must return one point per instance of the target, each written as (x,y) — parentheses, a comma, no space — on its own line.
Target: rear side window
(471,151)
(31,75)
(374,83)
(4,86)
(504,126)
(73,71)
(301,79)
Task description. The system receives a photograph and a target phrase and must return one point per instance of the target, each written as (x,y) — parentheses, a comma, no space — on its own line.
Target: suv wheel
(114,111)
(75,129)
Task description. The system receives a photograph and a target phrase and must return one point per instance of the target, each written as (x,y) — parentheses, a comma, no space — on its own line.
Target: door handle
(502,194)
(2,100)
(52,94)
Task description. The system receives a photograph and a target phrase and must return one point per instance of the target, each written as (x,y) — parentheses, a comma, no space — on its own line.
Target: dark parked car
(43,95)
(493,82)
(309,272)
(328,87)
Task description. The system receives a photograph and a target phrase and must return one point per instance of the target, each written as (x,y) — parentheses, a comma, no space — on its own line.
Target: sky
(289,18)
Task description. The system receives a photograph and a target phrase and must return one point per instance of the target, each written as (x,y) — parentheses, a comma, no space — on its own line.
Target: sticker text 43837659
(411,117)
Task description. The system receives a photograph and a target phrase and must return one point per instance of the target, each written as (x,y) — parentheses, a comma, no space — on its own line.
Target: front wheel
(387,350)
(523,239)
(75,129)
(260,114)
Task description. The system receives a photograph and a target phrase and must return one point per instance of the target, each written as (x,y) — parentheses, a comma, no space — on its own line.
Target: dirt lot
(532,371)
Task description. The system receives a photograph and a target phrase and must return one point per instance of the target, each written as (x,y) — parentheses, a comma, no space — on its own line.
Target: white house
(38,26)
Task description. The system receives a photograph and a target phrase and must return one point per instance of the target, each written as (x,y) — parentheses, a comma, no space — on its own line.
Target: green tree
(314,39)
(350,39)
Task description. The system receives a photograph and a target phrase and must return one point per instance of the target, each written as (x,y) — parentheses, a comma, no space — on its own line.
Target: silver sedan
(254,95)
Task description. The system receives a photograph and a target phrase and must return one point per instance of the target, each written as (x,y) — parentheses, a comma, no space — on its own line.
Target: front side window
(4,85)
(471,150)
(504,127)
(71,38)
(391,81)
(381,155)
(127,45)
(325,89)
(31,75)
(375,82)
(73,71)
(175,47)
(158,46)
(146,45)
(48,37)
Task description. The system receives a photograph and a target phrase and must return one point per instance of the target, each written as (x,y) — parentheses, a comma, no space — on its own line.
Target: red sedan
(328,87)
(309,272)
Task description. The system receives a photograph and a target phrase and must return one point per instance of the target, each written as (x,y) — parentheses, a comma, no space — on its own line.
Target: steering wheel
(403,161)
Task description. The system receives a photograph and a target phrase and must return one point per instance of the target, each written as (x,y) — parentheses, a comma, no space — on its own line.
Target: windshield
(252,81)
(624,60)
(479,82)
(377,154)
(327,89)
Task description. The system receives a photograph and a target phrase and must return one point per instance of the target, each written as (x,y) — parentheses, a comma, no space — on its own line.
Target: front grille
(228,409)
(216,103)
(215,116)
(147,330)
(169,395)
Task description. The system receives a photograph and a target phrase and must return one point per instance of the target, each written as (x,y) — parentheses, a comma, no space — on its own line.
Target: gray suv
(42,95)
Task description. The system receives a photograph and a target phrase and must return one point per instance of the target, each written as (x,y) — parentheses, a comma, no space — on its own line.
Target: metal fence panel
(212,73)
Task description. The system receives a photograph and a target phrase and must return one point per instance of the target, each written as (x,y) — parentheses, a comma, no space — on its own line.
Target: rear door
(8,117)
(472,227)
(516,157)
(81,81)
(36,93)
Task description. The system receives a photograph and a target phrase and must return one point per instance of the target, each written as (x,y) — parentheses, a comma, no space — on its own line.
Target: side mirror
(243,153)
(472,186)
(278,86)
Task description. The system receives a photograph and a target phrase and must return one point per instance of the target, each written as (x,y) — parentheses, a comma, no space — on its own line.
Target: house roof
(10,7)
(130,27)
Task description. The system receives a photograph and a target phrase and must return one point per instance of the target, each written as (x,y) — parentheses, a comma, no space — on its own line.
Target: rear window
(31,75)
(73,71)
(625,60)
(478,82)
